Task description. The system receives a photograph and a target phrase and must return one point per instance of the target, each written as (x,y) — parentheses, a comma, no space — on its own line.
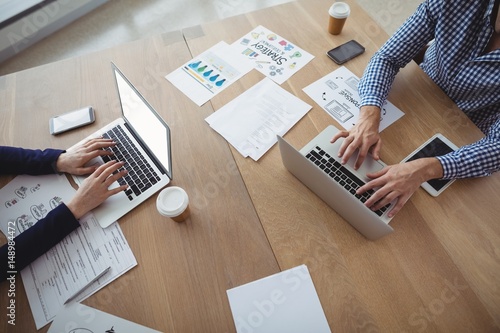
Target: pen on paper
(88,284)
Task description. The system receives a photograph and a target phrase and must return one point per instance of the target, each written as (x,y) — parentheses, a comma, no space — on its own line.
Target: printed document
(79,318)
(271,54)
(337,94)
(70,265)
(209,73)
(252,120)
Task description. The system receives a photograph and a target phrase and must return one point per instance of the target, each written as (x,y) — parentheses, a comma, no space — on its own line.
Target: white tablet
(438,145)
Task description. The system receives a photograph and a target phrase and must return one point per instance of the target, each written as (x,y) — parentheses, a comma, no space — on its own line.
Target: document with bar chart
(209,73)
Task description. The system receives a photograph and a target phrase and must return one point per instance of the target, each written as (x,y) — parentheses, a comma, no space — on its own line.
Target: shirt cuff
(56,154)
(372,100)
(450,169)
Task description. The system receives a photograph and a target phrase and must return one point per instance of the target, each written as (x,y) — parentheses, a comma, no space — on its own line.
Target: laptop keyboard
(341,175)
(141,175)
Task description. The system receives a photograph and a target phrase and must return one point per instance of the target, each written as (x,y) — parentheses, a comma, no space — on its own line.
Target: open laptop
(144,140)
(318,167)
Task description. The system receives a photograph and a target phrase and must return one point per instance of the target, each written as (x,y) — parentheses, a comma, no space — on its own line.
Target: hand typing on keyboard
(95,188)
(399,182)
(74,161)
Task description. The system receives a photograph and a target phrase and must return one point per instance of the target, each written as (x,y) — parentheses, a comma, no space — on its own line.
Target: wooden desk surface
(439,270)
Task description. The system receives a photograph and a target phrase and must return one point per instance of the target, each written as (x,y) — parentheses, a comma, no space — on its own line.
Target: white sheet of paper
(283,302)
(272,55)
(79,318)
(337,94)
(209,73)
(55,276)
(252,120)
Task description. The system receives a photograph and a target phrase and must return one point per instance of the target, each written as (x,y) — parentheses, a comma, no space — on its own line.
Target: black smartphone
(345,52)
(71,120)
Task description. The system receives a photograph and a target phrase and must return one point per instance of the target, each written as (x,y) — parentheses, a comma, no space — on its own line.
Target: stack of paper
(74,262)
(251,121)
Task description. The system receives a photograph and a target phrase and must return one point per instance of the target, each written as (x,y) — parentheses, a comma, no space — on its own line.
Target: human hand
(363,136)
(95,188)
(399,182)
(74,161)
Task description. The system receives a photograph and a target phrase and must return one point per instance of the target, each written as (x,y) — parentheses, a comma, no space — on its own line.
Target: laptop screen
(153,131)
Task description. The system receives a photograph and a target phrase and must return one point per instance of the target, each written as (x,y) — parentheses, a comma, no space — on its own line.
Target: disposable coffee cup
(339,12)
(173,202)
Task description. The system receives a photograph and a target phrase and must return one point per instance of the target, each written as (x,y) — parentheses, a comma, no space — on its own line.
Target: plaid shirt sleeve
(481,158)
(399,50)
(434,19)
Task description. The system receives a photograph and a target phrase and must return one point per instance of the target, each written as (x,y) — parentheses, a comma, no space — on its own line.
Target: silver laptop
(143,143)
(318,167)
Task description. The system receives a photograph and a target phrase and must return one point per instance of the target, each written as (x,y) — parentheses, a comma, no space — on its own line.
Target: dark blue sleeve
(17,161)
(38,239)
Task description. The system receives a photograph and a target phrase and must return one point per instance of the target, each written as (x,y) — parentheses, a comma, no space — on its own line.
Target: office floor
(119,21)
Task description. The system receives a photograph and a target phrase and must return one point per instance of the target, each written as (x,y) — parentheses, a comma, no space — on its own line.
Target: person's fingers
(363,151)
(103,171)
(340,134)
(376,149)
(113,178)
(117,190)
(97,144)
(348,148)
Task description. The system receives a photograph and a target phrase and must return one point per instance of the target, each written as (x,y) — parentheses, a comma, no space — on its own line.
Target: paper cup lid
(172,201)
(340,10)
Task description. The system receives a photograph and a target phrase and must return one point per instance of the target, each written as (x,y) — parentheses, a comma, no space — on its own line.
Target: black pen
(88,284)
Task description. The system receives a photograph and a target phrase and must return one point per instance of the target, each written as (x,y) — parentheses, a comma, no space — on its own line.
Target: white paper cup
(173,202)
(339,12)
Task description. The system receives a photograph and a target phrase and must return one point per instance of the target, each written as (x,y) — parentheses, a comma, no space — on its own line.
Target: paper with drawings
(67,267)
(272,55)
(337,94)
(252,120)
(209,73)
(283,302)
(79,318)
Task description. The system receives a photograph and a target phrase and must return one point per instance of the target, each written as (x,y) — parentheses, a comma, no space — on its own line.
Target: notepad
(283,302)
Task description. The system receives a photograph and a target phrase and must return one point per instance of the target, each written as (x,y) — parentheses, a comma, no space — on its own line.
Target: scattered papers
(27,199)
(51,279)
(81,318)
(251,121)
(272,55)
(284,302)
(70,265)
(337,94)
(211,72)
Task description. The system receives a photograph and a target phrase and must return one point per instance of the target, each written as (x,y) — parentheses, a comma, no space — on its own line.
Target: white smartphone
(437,145)
(71,120)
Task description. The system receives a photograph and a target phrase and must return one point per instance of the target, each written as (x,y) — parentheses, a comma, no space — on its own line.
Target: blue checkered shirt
(461,30)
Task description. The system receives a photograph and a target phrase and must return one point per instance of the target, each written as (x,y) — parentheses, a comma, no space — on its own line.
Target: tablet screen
(436,147)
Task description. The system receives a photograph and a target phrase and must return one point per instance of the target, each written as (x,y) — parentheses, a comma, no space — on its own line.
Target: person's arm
(378,77)
(479,159)
(397,52)
(28,161)
(38,239)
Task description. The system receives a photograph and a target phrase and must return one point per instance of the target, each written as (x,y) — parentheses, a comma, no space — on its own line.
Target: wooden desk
(439,270)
